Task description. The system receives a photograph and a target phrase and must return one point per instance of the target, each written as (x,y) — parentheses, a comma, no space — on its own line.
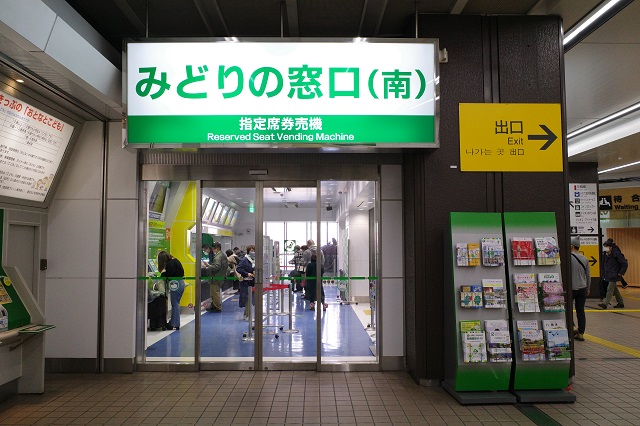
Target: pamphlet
(471,296)
(523,251)
(494,293)
(547,252)
(492,252)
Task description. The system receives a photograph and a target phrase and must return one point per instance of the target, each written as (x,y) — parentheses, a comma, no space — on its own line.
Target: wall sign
(583,207)
(619,199)
(510,138)
(590,248)
(32,144)
(282,93)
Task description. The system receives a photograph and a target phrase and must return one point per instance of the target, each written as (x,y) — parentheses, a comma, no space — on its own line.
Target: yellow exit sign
(510,138)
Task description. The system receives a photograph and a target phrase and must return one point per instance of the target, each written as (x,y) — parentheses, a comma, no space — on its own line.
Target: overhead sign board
(619,198)
(510,138)
(583,208)
(32,144)
(383,93)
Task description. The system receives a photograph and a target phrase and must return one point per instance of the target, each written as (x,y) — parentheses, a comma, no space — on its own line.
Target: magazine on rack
(492,252)
(547,252)
(526,292)
(498,341)
(523,251)
(552,292)
(494,293)
(471,296)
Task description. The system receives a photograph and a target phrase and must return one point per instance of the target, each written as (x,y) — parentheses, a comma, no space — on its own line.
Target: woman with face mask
(614,266)
(246,268)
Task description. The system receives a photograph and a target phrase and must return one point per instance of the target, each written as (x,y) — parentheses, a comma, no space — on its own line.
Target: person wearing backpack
(581,280)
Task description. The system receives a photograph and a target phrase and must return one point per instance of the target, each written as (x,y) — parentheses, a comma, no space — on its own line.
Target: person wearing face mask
(246,268)
(614,266)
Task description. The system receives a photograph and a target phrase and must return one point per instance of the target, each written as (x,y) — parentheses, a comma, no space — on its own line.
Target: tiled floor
(606,385)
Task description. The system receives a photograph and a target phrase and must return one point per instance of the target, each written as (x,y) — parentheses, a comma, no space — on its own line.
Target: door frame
(284,175)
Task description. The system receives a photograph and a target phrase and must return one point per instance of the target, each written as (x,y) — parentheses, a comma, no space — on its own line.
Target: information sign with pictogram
(583,208)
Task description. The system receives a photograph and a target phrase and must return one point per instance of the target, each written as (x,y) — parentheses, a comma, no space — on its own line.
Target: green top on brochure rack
(9,299)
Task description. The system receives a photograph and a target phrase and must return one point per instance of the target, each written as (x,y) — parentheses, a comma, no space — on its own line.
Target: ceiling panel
(107,18)
(334,18)
(624,28)
(571,11)
(399,15)
(601,79)
(252,18)
(170,17)
(501,7)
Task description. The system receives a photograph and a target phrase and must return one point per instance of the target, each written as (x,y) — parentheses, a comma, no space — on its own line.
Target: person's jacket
(219,265)
(173,269)
(614,264)
(245,267)
(298,261)
(312,270)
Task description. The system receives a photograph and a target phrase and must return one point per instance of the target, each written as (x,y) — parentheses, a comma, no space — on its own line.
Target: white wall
(359,252)
(73,252)
(392,256)
(121,248)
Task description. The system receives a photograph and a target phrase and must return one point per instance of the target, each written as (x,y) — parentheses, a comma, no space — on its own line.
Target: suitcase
(157,313)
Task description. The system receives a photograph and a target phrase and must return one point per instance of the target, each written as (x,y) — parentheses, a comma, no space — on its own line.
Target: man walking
(614,266)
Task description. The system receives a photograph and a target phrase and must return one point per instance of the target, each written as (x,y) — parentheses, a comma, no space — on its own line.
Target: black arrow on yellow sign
(550,137)
(593,261)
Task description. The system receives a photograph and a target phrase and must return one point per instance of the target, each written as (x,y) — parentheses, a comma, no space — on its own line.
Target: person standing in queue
(312,278)
(173,272)
(581,280)
(246,269)
(218,272)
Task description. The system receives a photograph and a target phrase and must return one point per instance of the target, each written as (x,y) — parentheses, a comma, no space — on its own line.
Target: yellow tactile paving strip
(627,350)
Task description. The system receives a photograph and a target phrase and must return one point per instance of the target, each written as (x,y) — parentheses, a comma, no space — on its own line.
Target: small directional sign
(591,249)
(510,138)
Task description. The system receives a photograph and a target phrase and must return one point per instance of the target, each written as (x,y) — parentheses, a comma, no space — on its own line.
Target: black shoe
(625,285)
(168,327)
(619,306)
(602,305)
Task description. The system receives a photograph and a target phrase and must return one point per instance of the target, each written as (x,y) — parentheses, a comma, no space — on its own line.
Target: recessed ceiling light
(19,80)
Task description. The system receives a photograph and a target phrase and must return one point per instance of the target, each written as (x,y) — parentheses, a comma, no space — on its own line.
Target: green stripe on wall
(364,128)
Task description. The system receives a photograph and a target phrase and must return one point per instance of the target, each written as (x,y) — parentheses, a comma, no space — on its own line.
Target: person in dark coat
(173,272)
(614,266)
(246,268)
(312,277)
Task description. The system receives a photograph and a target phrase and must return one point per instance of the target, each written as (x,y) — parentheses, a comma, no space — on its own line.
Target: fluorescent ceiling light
(619,167)
(605,120)
(592,21)
(586,24)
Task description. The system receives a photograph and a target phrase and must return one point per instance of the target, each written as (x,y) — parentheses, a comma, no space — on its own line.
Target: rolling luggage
(157,313)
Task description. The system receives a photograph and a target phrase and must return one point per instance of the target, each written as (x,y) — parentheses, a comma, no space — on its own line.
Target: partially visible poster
(32,144)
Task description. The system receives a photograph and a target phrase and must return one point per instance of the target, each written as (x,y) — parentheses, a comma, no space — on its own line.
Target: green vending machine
(478,353)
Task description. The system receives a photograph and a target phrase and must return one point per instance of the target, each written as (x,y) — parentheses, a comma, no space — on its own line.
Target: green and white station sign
(383,93)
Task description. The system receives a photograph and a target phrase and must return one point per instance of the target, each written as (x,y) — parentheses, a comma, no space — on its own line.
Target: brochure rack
(535,380)
(478,380)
